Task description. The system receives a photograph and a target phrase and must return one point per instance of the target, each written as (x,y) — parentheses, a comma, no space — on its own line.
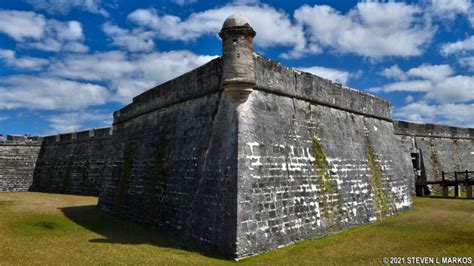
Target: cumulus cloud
(60,36)
(132,40)
(453,89)
(24,62)
(72,122)
(412,86)
(63,7)
(329,73)
(33,30)
(449,114)
(436,81)
(273,27)
(443,97)
(21,91)
(371,29)
(458,47)
(431,72)
(127,75)
(21,25)
(448,10)
(394,72)
(467,62)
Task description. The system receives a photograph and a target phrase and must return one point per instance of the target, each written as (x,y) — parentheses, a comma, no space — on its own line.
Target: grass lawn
(38,228)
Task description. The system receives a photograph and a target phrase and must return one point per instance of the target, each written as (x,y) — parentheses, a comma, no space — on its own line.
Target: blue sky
(66,65)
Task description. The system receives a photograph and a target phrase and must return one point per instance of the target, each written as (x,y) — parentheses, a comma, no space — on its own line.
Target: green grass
(51,229)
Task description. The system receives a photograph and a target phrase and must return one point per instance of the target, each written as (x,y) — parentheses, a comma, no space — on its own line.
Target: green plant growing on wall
(155,187)
(327,190)
(66,184)
(376,180)
(123,184)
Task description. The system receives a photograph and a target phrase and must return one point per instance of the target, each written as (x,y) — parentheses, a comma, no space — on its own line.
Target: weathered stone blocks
(241,155)
(17,163)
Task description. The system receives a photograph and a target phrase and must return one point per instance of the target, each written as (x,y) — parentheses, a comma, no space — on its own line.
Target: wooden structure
(453,179)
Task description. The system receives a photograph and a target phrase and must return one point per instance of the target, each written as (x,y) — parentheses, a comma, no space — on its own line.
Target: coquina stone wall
(314,158)
(243,163)
(241,155)
(175,163)
(17,163)
(441,148)
(73,163)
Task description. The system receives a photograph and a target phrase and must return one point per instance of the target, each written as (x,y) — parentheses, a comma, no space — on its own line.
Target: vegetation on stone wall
(376,181)
(155,187)
(329,205)
(123,184)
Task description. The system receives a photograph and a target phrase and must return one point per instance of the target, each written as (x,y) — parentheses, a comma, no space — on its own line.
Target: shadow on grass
(118,231)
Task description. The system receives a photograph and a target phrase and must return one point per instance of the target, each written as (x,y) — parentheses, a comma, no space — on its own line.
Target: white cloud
(4,117)
(409,98)
(453,89)
(60,36)
(72,122)
(75,82)
(63,7)
(34,31)
(467,62)
(25,62)
(21,25)
(448,10)
(412,85)
(458,47)
(184,2)
(394,72)
(431,72)
(133,40)
(329,73)
(371,29)
(20,91)
(93,67)
(127,75)
(273,27)
(437,83)
(417,111)
(449,114)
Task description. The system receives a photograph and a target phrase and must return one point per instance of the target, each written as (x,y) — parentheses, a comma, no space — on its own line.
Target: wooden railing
(456,180)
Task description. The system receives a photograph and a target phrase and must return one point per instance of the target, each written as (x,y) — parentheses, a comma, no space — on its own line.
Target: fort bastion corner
(241,155)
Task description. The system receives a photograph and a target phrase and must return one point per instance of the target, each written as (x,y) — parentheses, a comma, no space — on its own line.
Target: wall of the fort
(73,163)
(314,158)
(17,163)
(300,157)
(443,148)
(175,164)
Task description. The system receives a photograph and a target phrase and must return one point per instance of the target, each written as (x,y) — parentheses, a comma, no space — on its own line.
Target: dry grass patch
(51,229)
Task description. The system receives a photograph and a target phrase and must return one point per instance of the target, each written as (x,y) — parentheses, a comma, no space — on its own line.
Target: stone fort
(243,155)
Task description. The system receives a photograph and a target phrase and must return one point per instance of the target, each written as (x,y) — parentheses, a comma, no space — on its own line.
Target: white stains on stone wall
(281,182)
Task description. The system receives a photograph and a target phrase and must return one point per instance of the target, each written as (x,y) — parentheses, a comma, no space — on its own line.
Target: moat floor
(46,229)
